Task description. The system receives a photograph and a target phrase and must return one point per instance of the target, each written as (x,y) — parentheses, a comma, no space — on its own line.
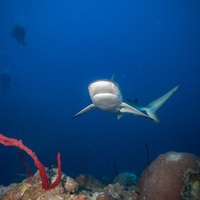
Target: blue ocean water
(152,46)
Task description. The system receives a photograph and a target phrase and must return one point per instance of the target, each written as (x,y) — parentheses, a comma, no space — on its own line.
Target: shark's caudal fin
(155,105)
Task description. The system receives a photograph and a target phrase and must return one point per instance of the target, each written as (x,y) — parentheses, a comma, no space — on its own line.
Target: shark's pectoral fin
(125,108)
(88,108)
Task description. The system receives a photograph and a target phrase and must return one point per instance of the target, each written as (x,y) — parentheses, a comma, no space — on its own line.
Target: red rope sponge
(6,141)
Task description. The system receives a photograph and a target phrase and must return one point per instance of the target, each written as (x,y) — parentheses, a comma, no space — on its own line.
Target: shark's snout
(103,86)
(105,94)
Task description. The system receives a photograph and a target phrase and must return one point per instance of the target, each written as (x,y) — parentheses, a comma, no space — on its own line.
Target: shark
(106,95)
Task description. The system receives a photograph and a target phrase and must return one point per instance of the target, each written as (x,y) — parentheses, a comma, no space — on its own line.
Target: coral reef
(70,185)
(67,189)
(3,190)
(33,190)
(171,176)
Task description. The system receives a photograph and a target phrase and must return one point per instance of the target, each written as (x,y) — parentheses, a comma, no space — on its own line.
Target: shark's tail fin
(155,105)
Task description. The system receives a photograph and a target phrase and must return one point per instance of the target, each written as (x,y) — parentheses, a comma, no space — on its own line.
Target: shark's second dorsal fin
(135,101)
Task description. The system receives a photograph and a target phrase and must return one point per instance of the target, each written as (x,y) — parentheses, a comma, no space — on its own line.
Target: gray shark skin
(106,96)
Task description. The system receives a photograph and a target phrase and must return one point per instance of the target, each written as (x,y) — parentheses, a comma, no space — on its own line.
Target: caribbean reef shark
(106,95)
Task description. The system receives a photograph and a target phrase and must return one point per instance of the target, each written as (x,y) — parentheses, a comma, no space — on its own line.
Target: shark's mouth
(105,96)
(106,101)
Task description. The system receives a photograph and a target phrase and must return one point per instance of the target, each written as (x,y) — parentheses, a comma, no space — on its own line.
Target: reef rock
(171,176)
(88,182)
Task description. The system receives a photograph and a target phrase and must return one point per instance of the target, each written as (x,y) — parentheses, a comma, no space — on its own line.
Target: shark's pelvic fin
(155,105)
(88,108)
(125,108)
(119,116)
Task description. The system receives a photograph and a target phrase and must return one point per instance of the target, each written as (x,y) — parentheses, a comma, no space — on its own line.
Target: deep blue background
(152,46)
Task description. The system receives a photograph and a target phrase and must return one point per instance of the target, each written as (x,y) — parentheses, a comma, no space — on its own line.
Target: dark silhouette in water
(19,33)
(5,78)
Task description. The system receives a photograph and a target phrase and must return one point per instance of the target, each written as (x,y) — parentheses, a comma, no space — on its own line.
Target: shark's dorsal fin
(113,77)
(88,108)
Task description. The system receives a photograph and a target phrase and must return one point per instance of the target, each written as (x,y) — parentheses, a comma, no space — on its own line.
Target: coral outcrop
(171,176)
(88,182)
(126,179)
